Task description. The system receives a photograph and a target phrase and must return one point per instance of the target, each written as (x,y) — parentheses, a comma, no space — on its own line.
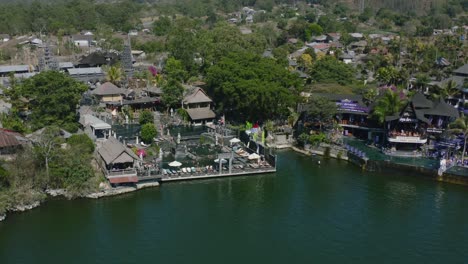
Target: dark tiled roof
(420,101)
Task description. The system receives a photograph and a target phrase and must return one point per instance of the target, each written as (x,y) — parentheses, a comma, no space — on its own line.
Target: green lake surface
(305,213)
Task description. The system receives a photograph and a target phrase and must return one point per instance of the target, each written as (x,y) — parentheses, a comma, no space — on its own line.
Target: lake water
(305,213)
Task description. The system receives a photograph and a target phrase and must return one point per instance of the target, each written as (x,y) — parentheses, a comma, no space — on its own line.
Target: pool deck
(201,176)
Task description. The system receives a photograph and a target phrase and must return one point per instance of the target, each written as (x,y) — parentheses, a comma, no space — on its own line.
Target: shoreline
(62,193)
(380,166)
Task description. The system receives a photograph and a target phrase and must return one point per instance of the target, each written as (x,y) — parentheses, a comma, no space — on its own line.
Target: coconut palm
(114,74)
(422,80)
(448,91)
(460,126)
(389,104)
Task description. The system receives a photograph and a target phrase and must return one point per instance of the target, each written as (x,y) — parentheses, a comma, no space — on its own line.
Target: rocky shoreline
(106,192)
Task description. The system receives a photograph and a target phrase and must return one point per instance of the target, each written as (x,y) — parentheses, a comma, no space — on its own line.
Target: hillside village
(91,109)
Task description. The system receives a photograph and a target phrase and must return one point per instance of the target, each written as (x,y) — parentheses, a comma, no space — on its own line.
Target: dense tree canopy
(246,86)
(329,69)
(52,99)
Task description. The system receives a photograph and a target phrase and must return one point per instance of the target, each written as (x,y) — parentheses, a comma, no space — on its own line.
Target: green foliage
(162,26)
(317,138)
(114,74)
(83,142)
(321,110)
(53,98)
(366,14)
(172,93)
(175,70)
(389,104)
(148,132)
(68,16)
(248,87)
(146,117)
(13,122)
(303,139)
(330,70)
(183,114)
(313,30)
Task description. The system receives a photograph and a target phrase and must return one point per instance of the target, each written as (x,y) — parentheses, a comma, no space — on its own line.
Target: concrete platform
(216,175)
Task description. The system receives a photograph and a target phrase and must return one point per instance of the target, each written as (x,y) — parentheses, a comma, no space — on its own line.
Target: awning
(126,179)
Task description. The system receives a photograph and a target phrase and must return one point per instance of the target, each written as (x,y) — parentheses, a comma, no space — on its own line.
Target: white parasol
(175,163)
(254,156)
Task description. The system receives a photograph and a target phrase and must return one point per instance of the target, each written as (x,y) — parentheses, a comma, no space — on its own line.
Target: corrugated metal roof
(82,71)
(63,65)
(9,138)
(93,121)
(14,68)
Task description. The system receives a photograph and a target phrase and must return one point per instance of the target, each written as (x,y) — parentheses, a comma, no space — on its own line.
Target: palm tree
(114,74)
(460,126)
(422,80)
(389,104)
(448,91)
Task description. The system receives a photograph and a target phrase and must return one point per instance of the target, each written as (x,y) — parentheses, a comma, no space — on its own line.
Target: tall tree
(460,126)
(321,110)
(53,98)
(389,104)
(114,74)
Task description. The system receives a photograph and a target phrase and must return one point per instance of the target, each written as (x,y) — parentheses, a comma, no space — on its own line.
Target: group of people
(403,133)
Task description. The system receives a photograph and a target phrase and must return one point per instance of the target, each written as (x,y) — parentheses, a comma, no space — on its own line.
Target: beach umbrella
(254,156)
(175,163)
(234,140)
(141,152)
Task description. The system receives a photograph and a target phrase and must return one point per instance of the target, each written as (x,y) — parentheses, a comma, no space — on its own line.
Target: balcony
(407,137)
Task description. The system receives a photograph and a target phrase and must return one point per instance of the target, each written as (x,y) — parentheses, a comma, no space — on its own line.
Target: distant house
(346,58)
(35,42)
(11,141)
(5,70)
(93,74)
(82,40)
(461,71)
(245,30)
(117,162)
(357,35)
(4,37)
(138,54)
(321,39)
(98,59)
(95,127)
(198,106)
(359,46)
(65,65)
(334,36)
(109,92)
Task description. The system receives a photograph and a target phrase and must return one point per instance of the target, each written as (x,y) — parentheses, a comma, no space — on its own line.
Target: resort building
(420,119)
(11,141)
(95,128)
(198,107)
(118,163)
(92,75)
(109,92)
